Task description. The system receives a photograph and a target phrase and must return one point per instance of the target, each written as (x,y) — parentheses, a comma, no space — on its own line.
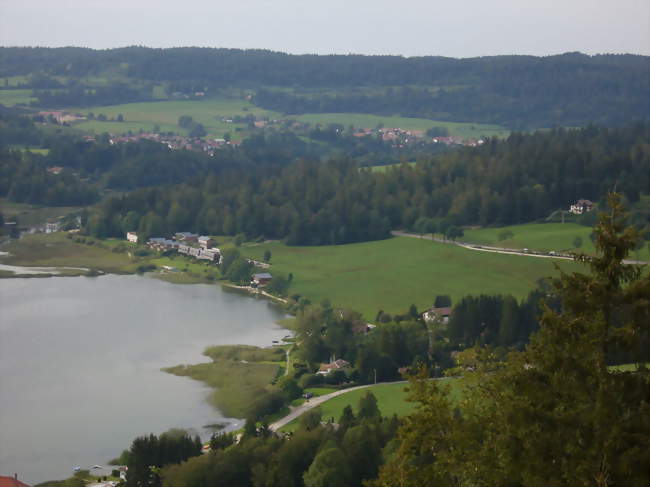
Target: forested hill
(518,180)
(516,91)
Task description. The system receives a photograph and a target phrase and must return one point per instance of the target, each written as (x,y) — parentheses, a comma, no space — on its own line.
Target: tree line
(521,179)
(517,91)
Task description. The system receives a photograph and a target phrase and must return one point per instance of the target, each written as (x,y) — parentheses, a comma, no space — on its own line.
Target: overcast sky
(457,28)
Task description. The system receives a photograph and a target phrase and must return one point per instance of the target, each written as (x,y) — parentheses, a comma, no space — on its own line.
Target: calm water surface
(80,363)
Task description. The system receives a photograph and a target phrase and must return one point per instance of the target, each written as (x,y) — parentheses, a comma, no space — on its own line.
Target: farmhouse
(440,315)
(581,206)
(339,364)
(262,278)
(205,242)
(132,237)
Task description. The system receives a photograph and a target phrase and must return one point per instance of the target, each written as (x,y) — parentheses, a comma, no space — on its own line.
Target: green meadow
(558,237)
(208,112)
(391,399)
(126,127)
(15,97)
(391,274)
(387,166)
(361,120)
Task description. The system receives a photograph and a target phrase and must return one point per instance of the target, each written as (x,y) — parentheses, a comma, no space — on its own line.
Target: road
(497,250)
(316,401)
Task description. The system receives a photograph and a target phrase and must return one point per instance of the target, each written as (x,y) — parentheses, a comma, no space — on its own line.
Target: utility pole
(375,376)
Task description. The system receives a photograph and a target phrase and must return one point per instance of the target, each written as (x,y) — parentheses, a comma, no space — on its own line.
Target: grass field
(542,236)
(391,274)
(166,113)
(360,120)
(387,166)
(391,399)
(125,127)
(15,97)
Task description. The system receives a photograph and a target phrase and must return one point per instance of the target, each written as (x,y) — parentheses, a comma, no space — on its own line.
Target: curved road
(317,401)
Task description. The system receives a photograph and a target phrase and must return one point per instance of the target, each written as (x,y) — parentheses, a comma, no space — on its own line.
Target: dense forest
(520,92)
(521,179)
(102,165)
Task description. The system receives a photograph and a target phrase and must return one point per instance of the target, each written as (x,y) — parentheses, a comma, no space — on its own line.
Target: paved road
(316,401)
(497,250)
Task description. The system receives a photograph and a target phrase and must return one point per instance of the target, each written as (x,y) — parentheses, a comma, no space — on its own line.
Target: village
(395,136)
(200,247)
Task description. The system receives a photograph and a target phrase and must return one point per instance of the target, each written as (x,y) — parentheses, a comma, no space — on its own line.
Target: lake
(80,361)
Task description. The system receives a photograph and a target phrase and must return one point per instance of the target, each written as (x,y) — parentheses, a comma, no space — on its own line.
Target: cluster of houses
(186,243)
(60,117)
(176,142)
(399,136)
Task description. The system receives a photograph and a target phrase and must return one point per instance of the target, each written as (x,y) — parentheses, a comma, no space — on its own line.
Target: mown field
(391,399)
(542,236)
(15,97)
(209,112)
(361,120)
(391,274)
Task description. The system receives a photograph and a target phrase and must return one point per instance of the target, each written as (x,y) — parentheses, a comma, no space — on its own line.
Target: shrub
(309,380)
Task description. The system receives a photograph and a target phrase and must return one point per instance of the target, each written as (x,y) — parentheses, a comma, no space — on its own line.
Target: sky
(456,28)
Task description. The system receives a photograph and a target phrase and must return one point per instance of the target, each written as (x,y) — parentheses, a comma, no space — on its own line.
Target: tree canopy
(554,413)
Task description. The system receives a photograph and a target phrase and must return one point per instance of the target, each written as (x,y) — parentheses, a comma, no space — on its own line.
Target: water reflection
(80,363)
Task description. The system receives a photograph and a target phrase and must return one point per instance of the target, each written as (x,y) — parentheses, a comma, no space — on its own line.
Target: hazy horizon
(463,29)
(324,54)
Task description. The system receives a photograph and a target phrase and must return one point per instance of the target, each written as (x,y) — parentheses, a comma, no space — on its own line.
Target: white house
(338,364)
(440,315)
(581,206)
(132,237)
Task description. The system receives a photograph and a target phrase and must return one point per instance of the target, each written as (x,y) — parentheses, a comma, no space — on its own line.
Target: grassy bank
(108,255)
(542,236)
(391,274)
(57,250)
(238,373)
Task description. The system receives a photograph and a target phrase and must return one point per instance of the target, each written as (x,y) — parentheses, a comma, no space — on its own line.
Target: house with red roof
(12,482)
